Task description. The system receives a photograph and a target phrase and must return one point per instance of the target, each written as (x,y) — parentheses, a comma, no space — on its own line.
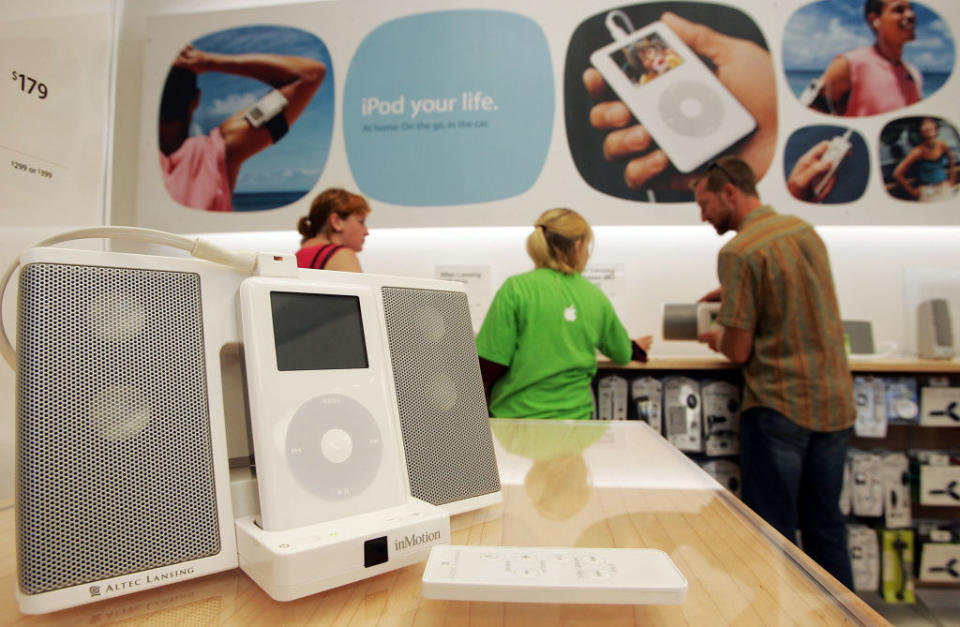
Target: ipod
(265,109)
(324,425)
(685,108)
(837,150)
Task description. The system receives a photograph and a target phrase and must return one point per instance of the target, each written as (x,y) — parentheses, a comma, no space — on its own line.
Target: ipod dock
(299,562)
(360,387)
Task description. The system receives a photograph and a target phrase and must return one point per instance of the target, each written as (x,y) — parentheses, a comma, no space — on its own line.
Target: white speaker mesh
(114,465)
(443,412)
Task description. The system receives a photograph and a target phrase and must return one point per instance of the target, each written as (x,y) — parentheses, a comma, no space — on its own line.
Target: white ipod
(685,108)
(837,150)
(323,419)
(265,109)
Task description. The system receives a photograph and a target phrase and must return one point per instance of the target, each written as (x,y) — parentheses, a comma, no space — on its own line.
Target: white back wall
(879,271)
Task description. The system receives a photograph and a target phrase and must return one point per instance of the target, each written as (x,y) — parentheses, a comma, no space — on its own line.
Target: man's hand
(713,296)
(713,339)
(735,344)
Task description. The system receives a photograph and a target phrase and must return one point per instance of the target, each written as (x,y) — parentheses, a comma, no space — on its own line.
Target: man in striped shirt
(779,318)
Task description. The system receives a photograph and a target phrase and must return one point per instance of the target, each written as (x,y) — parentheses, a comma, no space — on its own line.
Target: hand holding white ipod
(836,151)
(684,107)
(325,428)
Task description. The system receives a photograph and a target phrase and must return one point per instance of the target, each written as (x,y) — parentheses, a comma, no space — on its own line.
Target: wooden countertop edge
(856,606)
(906,365)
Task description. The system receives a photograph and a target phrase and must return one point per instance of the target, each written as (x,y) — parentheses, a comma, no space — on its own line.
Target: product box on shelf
(611,398)
(721,417)
(864,557)
(940,406)
(682,410)
(938,547)
(647,396)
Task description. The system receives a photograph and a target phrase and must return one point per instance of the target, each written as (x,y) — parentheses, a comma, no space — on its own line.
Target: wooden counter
(905,366)
(587,484)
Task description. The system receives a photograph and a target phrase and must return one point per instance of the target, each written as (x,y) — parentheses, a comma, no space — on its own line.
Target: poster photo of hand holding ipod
(826,164)
(655,91)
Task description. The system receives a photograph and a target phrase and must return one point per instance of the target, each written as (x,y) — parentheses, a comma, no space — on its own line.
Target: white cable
(197,247)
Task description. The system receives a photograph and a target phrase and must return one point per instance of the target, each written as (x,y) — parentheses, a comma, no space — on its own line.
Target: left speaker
(121,469)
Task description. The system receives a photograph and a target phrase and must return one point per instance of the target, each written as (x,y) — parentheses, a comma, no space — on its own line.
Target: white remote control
(552,575)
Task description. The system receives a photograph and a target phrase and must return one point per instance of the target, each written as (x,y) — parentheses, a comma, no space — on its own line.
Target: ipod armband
(268,113)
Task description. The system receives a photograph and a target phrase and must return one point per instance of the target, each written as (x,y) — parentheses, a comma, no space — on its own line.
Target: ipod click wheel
(691,115)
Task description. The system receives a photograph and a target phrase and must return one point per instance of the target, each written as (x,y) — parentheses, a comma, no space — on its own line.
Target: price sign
(52,148)
(29,85)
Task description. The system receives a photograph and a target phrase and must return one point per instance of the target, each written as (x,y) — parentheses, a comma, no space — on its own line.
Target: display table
(586,484)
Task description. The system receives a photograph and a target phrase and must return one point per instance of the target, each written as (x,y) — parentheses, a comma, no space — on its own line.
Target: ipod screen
(317,331)
(645,59)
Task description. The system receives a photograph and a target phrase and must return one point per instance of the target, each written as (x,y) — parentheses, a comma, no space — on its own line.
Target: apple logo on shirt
(570,313)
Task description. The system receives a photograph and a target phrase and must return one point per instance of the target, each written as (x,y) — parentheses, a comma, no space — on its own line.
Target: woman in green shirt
(538,342)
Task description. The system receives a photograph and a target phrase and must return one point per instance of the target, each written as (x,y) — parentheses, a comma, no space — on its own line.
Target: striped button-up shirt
(776,282)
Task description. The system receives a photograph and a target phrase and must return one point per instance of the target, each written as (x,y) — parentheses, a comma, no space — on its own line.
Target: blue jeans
(792,477)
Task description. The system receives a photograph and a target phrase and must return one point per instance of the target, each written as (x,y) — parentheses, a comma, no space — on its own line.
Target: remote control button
(492,556)
(691,108)
(529,572)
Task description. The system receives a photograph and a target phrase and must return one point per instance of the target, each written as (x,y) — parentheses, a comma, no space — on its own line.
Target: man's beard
(722,225)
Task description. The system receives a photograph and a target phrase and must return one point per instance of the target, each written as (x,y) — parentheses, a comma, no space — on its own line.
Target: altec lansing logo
(131,584)
(410,541)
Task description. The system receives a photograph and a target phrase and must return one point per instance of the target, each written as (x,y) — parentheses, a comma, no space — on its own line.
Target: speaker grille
(114,464)
(443,413)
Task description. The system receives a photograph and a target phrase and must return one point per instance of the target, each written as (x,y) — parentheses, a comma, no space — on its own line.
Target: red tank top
(316,257)
(879,86)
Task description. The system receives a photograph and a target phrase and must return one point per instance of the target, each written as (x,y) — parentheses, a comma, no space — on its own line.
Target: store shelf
(900,436)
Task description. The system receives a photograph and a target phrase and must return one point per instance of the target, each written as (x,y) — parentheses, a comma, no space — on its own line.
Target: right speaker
(440,400)
(934,330)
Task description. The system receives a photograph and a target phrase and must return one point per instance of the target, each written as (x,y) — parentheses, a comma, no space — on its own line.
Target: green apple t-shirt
(546,327)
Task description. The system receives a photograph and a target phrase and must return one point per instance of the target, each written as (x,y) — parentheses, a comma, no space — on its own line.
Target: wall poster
(846,109)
